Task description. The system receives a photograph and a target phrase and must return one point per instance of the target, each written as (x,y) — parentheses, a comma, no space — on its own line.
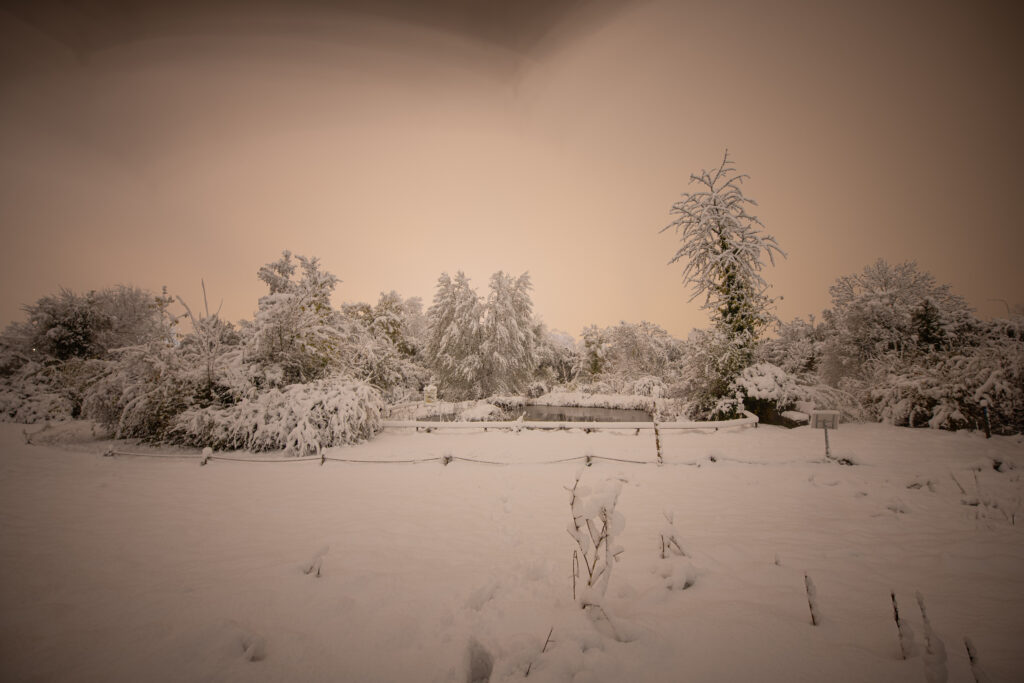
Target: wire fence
(204,459)
(588,459)
(749,419)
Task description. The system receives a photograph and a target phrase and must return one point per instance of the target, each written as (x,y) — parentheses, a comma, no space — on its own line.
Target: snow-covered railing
(430,425)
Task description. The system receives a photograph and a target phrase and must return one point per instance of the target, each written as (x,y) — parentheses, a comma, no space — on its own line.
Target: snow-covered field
(143,569)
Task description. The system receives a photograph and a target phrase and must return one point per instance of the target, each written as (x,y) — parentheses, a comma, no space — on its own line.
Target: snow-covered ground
(144,569)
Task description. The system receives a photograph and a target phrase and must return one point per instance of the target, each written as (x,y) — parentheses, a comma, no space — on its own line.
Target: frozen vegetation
(259,518)
(709,567)
(895,346)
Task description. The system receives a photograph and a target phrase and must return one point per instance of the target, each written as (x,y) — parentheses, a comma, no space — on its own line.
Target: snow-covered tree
(454,338)
(796,348)
(478,348)
(398,320)
(297,336)
(593,351)
(508,345)
(556,355)
(711,363)
(641,349)
(724,249)
(890,309)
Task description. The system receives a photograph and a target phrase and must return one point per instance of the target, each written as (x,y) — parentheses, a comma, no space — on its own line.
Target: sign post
(825,419)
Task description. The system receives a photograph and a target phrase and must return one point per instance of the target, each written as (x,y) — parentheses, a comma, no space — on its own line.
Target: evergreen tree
(926,321)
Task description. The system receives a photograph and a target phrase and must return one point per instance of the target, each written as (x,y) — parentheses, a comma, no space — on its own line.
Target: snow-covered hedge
(302,419)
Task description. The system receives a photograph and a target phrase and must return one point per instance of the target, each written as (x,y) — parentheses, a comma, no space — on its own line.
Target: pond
(574,414)
(559,414)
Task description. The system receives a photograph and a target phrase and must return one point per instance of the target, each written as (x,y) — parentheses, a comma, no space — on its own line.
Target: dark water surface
(567,414)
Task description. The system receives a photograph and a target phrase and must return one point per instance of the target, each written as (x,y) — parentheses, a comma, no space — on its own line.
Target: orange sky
(164,148)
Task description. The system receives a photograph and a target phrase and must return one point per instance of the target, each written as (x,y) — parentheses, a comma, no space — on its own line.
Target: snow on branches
(479,348)
(724,247)
(302,419)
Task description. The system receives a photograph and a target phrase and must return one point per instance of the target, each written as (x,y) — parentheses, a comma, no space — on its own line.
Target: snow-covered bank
(162,570)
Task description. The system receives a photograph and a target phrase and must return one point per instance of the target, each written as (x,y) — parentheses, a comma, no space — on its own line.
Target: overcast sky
(152,145)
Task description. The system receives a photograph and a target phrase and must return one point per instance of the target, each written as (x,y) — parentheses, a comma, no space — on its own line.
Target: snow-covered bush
(38,392)
(138,393)
(712,361)
(649,386)
(302,419)
(953,389)
(766,384)
(50,361)
(536,390)
(35,405)
(594,526)
(823,397)
(69,325)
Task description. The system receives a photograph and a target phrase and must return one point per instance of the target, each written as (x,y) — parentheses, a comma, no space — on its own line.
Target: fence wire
(444,459)
(588,459)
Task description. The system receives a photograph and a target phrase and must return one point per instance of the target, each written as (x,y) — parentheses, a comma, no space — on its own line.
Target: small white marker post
(823,419)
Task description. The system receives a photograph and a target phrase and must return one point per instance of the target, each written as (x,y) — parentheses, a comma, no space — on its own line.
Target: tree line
(895,345)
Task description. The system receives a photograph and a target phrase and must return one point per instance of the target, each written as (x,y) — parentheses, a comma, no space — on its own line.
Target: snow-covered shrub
(69,325)
(35,406)
(138,393)
(536,390)
(594,526)
(952,390)
(38,392)
(604,386)
(649,386)
(302,419)
(764,386)
(823,397)
(713,360)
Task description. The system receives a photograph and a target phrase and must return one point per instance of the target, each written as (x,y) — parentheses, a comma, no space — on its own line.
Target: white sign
(825,419)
